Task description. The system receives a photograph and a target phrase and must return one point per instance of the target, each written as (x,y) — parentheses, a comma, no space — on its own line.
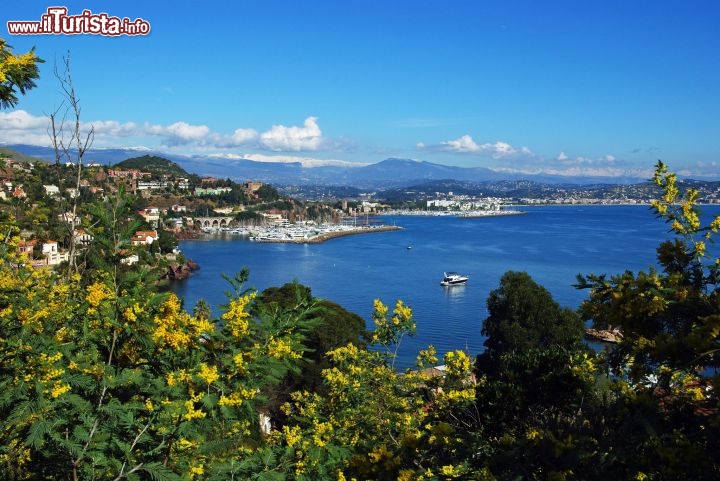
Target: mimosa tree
(18,73)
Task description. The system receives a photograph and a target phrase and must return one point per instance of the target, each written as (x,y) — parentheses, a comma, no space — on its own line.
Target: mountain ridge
(387,173)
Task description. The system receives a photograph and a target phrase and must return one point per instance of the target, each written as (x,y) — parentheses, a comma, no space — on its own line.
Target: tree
(671,319)
(268,193)
(330,326)
(18,73)
(523,315)
(536,378)
(666,364)
(69,144)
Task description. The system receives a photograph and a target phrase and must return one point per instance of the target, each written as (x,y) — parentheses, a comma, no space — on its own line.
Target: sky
(604,88)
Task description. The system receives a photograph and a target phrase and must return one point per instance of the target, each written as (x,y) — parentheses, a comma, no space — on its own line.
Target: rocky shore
(612,336)
(176,271)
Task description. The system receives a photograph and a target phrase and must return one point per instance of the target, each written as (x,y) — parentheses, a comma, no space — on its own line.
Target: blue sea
(552,243)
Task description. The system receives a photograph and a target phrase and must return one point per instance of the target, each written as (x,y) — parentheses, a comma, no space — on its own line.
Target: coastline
(472,214)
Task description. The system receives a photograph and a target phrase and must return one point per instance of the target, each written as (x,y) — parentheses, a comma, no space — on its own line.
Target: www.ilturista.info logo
(57,22)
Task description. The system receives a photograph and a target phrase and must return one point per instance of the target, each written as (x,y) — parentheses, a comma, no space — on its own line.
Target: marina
(298,233)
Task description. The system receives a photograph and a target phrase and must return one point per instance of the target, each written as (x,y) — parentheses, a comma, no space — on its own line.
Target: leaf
(158,472)
(270,476)
(37,432)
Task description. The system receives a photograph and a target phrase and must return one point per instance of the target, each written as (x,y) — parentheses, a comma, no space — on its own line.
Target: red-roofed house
(144,237)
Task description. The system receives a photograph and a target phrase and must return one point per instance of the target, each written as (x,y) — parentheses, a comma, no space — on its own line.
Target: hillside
(153,164)
(17,156)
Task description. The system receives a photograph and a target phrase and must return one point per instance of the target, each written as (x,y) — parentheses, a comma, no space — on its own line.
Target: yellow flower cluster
(237,398)
(715,224)
(583,366)
(281,349)
(343,353)
(33,319)
(15,62)
(208,374)
(451,471)
(196,470)
(173,378)
(190,411)
(380,453)
(185,443)
(15,453)
(427,357)
(457,363)
(401,313)
(340,383)
(379,309)
(130,313)
(59,388)
(45,370)
(390,331)
(63,334)
(176,328)
(98,292)
(292,435)
(321,432)
(236,317)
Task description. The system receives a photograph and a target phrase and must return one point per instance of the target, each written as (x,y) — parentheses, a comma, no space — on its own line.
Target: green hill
(7,152)
(153,164)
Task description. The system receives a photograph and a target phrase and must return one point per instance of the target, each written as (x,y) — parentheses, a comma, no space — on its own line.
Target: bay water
(551,243)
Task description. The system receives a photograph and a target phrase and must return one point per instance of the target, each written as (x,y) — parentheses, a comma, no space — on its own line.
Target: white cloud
(561,157)
(497,150)
(463,144)
(21,120)
(179,132)
(113,128)
(307,162)
(21,127)
(282,138)
(243,136)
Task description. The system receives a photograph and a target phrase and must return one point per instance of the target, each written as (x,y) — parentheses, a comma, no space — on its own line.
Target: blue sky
(569,87)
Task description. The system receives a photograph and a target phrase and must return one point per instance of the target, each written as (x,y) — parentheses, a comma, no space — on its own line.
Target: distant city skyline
(556,87)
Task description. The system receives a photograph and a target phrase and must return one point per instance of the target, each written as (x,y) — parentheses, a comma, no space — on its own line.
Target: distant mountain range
(389,173)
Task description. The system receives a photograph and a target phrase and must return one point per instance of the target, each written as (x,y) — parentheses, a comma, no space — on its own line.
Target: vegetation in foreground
(104,377)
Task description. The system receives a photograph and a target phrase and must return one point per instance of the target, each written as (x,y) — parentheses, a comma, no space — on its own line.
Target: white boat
(453,279)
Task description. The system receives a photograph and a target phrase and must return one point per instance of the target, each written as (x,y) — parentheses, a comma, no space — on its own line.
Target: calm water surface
(552,243)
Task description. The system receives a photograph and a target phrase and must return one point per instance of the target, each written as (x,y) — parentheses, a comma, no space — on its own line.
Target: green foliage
(523,315)
(670,320)
(248,215)
(268,193)
(535,377)
(155,165)
(667,360)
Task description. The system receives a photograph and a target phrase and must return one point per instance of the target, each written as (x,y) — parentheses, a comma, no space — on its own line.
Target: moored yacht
(453,279)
